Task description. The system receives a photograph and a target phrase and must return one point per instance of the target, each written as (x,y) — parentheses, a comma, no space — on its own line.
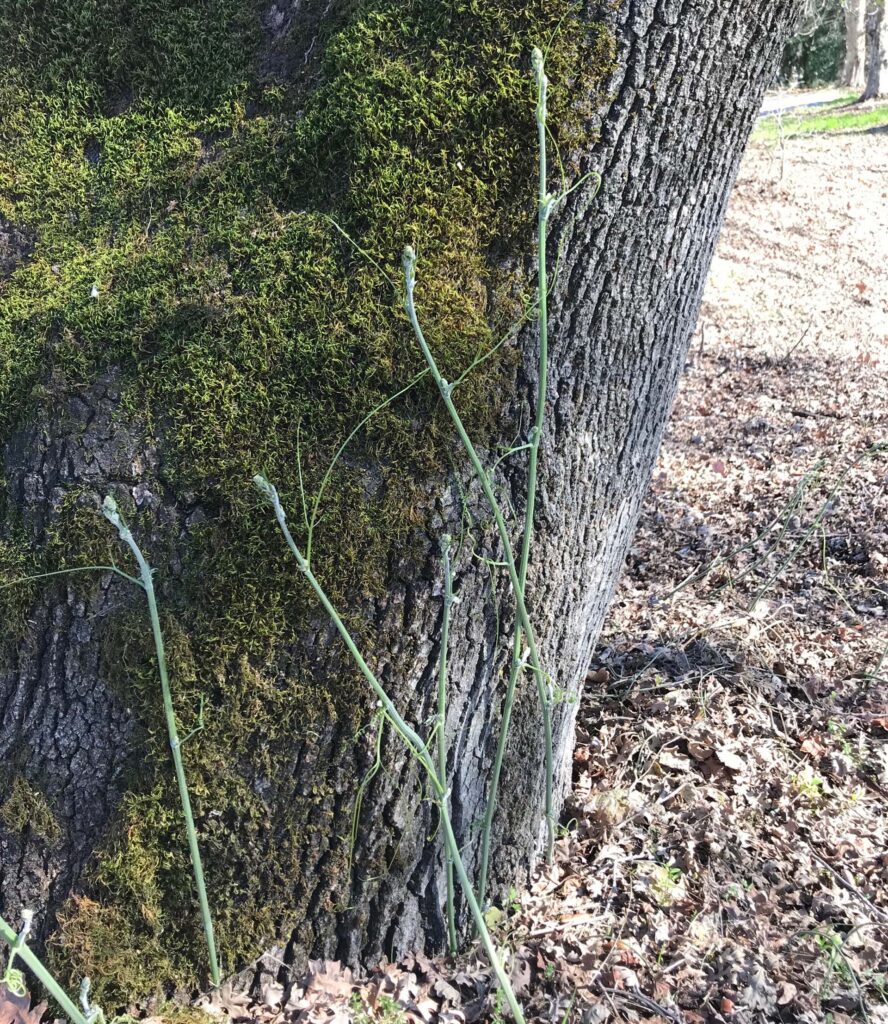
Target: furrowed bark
(688,83)
(876,66)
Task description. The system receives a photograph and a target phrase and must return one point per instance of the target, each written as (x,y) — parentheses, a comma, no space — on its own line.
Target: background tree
(181,311)
(855,44)
(876,68)
(814,54)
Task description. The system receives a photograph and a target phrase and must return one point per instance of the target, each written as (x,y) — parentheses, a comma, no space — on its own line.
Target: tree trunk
(875,55)
(855,44)
(80,737)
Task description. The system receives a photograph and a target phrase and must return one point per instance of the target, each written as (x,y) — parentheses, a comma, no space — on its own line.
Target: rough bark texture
(876,67)
(60,721)
(688,84)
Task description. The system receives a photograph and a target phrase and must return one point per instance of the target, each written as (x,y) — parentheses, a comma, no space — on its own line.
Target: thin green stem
(442,723)
(363,252)
(877,671)
(544,209)
(478,917)
(65,572)
(9,935)
(476,362)
(784,517)
(302,499)
(824,509)
(412,738)
(312,522)
(113,516)
(416,746)
(362,789)
(445,389)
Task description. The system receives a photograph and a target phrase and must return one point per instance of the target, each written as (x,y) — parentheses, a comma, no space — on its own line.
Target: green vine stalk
(441,742)
(545,203)
(417,747)
(17,942)
(112,514)
(445,390)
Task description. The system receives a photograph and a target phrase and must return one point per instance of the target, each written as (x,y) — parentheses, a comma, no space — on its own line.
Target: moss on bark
(179,203)
(25,808)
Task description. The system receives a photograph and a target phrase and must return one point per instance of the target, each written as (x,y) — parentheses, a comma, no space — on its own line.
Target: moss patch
(16,562)
(26,809)
(180,208)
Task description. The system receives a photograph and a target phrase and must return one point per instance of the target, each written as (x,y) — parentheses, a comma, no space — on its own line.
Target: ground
(723,853)
(789,114)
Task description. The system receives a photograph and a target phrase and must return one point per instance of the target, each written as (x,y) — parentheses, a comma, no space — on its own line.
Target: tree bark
(855,44)
(875,54)
(684,95)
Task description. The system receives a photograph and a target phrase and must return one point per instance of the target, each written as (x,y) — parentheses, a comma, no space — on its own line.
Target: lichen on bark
(178,188)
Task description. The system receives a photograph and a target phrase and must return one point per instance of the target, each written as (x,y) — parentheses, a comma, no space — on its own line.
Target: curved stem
(312,521)
(9,935)
(113,516)
(66,572)
(416,746)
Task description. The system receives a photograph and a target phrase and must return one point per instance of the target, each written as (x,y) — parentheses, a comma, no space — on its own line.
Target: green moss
(16,563)
(152,160)
(26,809)
(78,534)
(106,938)
(171,1013)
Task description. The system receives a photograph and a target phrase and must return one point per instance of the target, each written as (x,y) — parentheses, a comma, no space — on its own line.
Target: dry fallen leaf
(786,993)
(730,759)
(15,1009)
(813,746)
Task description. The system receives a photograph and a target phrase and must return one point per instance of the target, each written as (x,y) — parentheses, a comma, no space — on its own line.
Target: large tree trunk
(855,44)
(666,136)
(876,67)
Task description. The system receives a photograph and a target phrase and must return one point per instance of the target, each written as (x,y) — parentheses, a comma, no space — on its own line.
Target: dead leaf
(786,993)
(699,751)
(15,1009)
(813,746)
(730,759)
(673,760)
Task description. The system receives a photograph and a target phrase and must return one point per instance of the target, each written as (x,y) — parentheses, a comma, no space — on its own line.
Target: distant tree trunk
(875,84)
(855,44)
(667,140)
